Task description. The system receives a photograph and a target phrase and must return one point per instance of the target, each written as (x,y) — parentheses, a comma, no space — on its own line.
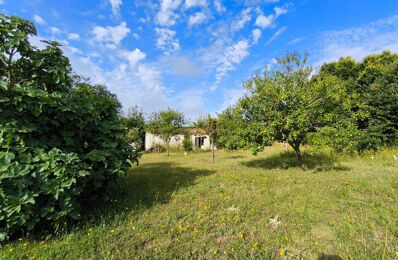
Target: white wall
(151,140)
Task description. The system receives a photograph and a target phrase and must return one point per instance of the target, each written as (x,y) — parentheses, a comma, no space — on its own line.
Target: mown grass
(243,206)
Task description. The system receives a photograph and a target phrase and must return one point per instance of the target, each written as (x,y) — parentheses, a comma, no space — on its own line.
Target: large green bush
(62,142)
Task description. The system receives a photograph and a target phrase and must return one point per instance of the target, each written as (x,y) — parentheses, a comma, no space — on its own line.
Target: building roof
(196,131)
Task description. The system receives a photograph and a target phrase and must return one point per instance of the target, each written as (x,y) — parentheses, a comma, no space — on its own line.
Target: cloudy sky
(194,54)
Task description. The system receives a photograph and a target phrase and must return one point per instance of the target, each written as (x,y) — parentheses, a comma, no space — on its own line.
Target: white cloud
(109,35)
(277,34)
(192,103)
(166,15)
(136,36)
(39,20)
(233,55)
(195,3)
(133,56)
(150,77)
(180,65)
(73,36)
(263,21)
(54,30)
(232,96)
(358,42)
(166,40)
(256,34)
(116,6)
(2,2)
(197,18)
(296,40)
(243,19)
(219,6)
(140,86)
(279,11)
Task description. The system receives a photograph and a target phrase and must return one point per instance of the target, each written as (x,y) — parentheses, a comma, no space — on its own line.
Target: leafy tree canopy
(166,124)
(287,105)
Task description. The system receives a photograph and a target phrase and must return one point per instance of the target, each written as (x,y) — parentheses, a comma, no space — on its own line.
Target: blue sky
(193,55)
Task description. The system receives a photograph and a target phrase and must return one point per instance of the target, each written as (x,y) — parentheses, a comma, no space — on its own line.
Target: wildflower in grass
(10,249)
(281,252)
(274,222)
(396,253)
(254,247)
(112,231)
(25,244)
(232,209)
(241,235)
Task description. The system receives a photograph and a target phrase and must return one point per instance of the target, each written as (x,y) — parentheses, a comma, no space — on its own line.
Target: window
(199,141)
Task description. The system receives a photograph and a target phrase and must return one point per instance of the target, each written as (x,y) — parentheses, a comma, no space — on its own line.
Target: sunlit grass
(242,206)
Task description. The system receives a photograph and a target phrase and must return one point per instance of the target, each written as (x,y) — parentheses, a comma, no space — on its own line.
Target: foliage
(36,185)
(187,143)
(166,124)
(286,105)
(209,125)
(373,86)
(135,123)
(230,127)
(62,143)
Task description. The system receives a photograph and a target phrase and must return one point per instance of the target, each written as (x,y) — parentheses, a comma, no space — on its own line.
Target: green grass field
(243,206)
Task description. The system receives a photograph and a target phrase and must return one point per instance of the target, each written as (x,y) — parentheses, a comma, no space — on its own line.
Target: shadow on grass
(286,160)
(329,257)
(145,186)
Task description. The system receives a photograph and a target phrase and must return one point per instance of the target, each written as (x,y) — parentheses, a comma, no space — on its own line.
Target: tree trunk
(212,150)
(168,149)
(9,67)
(299,156)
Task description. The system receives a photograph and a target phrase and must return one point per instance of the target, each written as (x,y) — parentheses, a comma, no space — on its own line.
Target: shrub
(36,185)
(187,143)
(62,142)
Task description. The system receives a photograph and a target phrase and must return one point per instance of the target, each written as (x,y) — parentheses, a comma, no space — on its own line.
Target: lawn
(242,206)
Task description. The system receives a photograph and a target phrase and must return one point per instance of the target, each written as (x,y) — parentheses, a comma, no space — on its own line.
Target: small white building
(200,140)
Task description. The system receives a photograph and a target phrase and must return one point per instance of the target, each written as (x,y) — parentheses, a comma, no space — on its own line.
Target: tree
(372,85)
(166,124)
(209,125)
(135,123)
(285,104)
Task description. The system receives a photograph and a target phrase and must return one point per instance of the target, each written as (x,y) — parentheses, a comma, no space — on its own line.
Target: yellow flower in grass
(396,253)
(241,235)
(25,244)
(112,231)
(281,252)
(10,250)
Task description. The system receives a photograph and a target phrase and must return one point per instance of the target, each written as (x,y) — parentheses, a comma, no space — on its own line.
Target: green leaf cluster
(62,141)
